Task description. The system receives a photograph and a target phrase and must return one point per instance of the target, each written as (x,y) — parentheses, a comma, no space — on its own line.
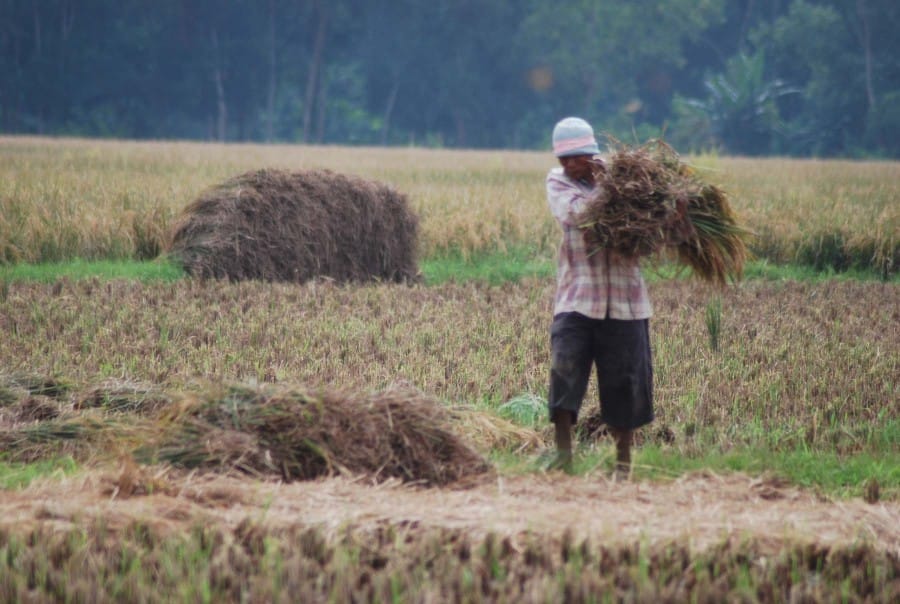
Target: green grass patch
(762,269)
(832,473)
(494,268)
(514,265)
(835,475)
(20,475)
(829,471)
(153,270)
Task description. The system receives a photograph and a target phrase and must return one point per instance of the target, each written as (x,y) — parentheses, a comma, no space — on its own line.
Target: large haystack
(275,225)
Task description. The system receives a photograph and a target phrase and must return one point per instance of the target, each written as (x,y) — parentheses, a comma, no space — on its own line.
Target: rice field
(93,371)
(67,198)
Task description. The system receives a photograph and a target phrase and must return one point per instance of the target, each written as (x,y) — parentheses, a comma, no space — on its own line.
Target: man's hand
(598,166)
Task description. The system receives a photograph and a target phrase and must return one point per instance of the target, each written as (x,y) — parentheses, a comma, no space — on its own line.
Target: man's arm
(566,199)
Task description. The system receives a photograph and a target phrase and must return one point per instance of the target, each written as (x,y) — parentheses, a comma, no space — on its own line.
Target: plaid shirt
(604,284)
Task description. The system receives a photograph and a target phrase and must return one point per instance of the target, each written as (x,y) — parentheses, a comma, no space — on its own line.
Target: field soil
(701,509)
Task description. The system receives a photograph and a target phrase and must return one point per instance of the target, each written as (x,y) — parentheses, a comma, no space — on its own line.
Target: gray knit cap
(574,136)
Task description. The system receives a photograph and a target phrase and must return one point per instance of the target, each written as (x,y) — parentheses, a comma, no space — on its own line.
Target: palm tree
(740,112)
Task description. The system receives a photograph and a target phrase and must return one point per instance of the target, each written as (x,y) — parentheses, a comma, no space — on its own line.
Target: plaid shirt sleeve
(602,284)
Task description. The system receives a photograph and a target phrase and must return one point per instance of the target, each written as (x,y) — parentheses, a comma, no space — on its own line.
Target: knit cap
(574,136)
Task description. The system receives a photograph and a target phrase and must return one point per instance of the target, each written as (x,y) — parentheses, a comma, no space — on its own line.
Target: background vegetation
(798,77)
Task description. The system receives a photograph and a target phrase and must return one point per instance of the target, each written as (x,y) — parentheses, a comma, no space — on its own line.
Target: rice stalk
(648,202)
(82,437)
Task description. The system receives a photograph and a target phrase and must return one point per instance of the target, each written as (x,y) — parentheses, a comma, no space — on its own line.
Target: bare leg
(623,438)
(563,424)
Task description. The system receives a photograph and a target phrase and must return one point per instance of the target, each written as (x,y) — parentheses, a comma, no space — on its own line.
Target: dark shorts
(621,352)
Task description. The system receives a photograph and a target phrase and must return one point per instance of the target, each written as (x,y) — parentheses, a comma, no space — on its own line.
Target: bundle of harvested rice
(16,385)
(275,225)
(124,396)
(648,201)
(301,435)
(80,437)
(488,432)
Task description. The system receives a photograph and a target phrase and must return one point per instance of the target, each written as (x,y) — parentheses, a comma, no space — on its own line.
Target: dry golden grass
(824,213)
(61,198)
(65,198)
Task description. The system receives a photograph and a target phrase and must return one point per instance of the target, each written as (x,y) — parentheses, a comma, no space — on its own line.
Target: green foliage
(492,73)
(814,47)
(614,62)
(525,409)
(740,112)
(883,126)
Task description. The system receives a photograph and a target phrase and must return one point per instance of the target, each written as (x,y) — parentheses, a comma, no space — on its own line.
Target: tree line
(753,77)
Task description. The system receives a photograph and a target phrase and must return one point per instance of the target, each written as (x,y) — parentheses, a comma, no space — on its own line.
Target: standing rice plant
(714,322)
(526,409)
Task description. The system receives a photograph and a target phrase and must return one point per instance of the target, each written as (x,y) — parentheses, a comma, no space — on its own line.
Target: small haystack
(275,225)
(301,435)
(648,201)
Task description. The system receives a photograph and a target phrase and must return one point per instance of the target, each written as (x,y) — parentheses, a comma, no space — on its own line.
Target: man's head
(575,146)
(574,136)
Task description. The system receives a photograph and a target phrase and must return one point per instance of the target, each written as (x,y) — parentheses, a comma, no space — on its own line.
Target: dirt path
(704,509)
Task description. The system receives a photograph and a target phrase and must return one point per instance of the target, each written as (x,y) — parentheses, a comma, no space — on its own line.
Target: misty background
(748,77)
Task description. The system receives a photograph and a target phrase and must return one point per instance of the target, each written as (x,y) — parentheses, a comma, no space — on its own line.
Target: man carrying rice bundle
(601,311)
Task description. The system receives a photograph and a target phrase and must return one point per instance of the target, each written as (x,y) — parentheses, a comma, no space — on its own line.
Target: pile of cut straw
(648,201)
(301,435)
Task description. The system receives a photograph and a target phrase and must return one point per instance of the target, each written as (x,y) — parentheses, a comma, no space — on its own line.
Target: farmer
(600,314)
